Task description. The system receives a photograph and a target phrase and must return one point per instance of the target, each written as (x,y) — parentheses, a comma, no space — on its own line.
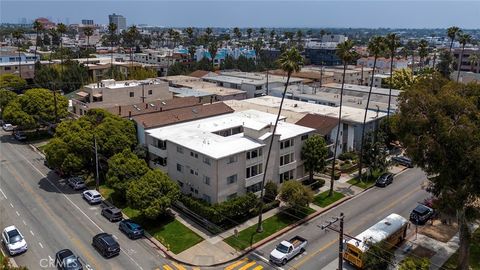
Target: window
(304,137)
(180,184)
(286,159)
(180,149)
(192,154)
(232,179)
(254,170)
(150,92)
(162,144)
(258,87)
(286,143)
(254,153)
(255,187)
(206,160)
(206,198)
(232,159)
(179,167)
(206,180)
(132,94)
(160,161)
(286,176)
(231,196)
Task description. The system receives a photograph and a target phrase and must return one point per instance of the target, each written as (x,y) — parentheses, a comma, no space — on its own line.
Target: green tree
(152,194)
(411,263)
(208,33)
(262,32)
(237,32)
(290,61)
(347,54)
(375,154)
(249,33)
(422,51)
(141,73)
(474,60)
(212,49)
(177,69)
(376,46)
(438,126)
(314,154)
(464,39)
(452,33)
(56,152)
(445,63)
(35,107)
(392,42)
(401,79)
(123,168)
(271,192)
(12,82)
(73,76)
(296,195)
(6,96)
(189,31)
(378,257)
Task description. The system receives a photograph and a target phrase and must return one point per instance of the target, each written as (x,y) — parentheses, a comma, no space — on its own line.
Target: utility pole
(97,181)
(328,225)
(267,81)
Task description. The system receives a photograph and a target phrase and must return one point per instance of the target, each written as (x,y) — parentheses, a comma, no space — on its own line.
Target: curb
(10,259)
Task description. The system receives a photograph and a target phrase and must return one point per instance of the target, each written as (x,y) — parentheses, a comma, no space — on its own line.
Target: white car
(7,127)
(14,240)
(92,196)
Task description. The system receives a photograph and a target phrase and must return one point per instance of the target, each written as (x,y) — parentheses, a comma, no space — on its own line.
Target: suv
(384,180)
(112,213)
(92,196)
(66,260)
(7,127)
(76,182)
(130,228)
(20,136)
(14,240)
(402,160)
(421,214)
(106,245)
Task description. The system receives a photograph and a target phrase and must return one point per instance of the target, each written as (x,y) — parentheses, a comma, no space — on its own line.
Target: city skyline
(341,14)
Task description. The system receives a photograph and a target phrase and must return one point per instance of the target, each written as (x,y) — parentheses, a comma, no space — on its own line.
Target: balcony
(253,180)
(157,151)
(287,167)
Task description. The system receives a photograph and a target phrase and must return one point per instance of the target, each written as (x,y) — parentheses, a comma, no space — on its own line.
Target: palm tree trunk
(262,192)
(332,179)
(451,45)
(111,59)
(310,176)
(460,63)
(465,239)
(36,46)
(360,165)
(88,43)
(390,86)
(19,63)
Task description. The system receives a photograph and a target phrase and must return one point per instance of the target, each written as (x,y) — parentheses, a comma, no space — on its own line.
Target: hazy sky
(230,13)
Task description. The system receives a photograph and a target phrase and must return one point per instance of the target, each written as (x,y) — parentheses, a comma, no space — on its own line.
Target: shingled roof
(322,124)
(153,106)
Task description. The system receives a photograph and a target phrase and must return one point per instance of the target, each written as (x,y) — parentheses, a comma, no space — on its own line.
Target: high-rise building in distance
(87,22)
(119,20)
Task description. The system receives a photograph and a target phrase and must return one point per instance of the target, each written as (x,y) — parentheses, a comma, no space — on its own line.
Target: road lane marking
(258,268)
(24,223)
(248,265)
(40,244)
(16,212)
(307,258)
(237,263)
(11,205)
(32,233)
(178,266)
(49,257)
(114,236)
(3,194)
(166,267)
(265,260)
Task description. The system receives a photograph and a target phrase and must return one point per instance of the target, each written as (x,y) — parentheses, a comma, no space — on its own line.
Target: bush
(271,192)
(336,175)
(348,156)
(266,207)
(315,184)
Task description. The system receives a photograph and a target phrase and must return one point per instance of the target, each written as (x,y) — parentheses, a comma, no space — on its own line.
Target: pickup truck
(286,250)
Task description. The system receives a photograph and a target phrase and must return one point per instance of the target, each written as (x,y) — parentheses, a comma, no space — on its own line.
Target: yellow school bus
(391,230)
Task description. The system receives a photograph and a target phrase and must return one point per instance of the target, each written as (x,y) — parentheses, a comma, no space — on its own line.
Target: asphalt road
(360,213)
(52,217)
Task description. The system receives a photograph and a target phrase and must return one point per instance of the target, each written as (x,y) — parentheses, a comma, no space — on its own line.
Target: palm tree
(376,47)
(290,61)
(88,31)
(452,33)
(422,51)
(272,34)
(189,32)
(18,35)
(112,34)
(132,38)
(412,47)
(463,39)
(262,32)
(209,33)
(474,60)
(212,49)
(191,51)
(299,36)
(61,29)
(347,54)
(38,27)
(392,42)
(249,33)
(237,32)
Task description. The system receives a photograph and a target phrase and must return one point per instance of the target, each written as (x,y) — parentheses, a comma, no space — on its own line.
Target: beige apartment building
(221,157)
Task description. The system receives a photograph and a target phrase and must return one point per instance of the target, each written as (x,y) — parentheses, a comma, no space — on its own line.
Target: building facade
(118,20)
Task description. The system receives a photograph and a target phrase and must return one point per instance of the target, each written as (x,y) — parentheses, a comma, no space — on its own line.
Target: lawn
(474,254)
(271,225)
(367,182)
(324,200)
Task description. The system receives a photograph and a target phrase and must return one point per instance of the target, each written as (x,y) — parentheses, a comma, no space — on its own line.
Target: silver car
(92,196)
(76,183)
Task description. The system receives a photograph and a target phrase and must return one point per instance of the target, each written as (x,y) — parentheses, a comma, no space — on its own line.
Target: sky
(249,13)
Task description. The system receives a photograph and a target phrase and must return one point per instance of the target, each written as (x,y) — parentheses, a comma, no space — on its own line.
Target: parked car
(66,260)
(286,250)
(421,214)
(20,136)
(384,180)
(92,196)
(112,213)
(402,160)
(7,127)
(14,241)
(131,229)
(106,245)
(76,183)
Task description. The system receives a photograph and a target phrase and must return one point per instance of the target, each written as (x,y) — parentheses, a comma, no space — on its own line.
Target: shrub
(336,175)
(348,156)
(315,184)
(271,192)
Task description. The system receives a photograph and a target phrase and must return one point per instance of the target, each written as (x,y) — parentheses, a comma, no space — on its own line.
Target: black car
(421,214)
(130,228)
(20,136)
(112,213)
(384,180)
(66,260)
(106,245)
(402,160)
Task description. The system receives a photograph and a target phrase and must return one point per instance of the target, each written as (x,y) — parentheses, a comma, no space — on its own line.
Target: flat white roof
(198,135)
(249,78)
(379,232)
(364,89)
(349,114)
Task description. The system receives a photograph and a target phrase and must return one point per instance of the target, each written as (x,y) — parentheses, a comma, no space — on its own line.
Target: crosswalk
(176,266)
(243,264)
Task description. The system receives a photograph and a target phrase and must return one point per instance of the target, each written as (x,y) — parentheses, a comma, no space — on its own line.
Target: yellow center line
(178,266)
(237,263)
(248,265)
(166,267)
(354,227)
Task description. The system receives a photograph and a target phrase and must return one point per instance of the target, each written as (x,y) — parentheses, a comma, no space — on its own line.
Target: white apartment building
(221,157)
(383,64)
